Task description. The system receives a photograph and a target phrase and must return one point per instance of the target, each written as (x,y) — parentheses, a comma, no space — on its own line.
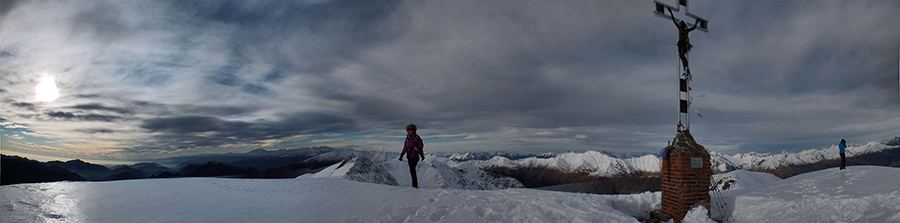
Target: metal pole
(688,94)
(678,88)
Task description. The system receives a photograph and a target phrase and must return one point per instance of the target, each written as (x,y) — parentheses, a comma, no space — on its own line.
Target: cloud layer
(158,78)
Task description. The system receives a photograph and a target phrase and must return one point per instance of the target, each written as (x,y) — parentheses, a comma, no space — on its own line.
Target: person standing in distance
(843,147)
(413,150)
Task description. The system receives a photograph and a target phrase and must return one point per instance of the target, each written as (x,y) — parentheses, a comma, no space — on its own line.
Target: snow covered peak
(722,163)
(892,142)
(592,162)
(755,160)
(358,168)
(435,172)
(546,155)
(462,156)
(603,164)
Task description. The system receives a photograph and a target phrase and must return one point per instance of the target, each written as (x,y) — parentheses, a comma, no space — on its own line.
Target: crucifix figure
(684,43)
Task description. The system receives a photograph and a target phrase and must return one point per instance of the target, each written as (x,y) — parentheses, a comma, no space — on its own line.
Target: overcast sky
(149,79)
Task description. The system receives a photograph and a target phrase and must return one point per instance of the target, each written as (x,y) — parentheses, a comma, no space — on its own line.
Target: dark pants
(843,161)
(412,171)
(682,54)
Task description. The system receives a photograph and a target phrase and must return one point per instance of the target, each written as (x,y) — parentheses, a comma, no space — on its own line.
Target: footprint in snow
(54,216)
(439,214)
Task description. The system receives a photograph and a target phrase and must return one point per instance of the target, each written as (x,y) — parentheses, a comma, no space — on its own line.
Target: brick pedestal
(685,174)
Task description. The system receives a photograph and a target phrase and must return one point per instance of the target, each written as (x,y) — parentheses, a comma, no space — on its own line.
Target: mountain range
(591,171)
(602,164)
(285,163)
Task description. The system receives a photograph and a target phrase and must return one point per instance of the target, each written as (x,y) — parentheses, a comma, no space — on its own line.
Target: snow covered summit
(433,172)
(855,194)
(602,164)
(595,163)
(360,169)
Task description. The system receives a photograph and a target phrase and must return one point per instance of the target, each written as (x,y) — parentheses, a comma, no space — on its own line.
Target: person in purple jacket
(413,150)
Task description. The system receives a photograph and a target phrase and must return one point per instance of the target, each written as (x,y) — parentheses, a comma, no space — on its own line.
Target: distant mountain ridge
(531,169)
(14,169)
(485,155)
(768,161)
(892,142)
(256,158)
(603,165)
(282,163)
(514,155)
(591,162)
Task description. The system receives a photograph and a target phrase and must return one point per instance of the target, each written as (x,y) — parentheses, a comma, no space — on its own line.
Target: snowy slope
(358,168)
(722,163)
(433,172)
(303,200)
(334,155)
(856,194)
(743,179)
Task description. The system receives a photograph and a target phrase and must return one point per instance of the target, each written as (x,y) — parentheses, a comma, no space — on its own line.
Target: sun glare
(46,90)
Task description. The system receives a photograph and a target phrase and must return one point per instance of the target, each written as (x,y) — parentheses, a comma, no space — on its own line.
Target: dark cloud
(24,105)
(69,116)
(228,75)
(510,74)
(349,15)
(8,5)
(813,48)
(273,76)
(212,110)
(135,108)
(88,96)
(333,33)
(8,52)
(147,74)
(103,20)
(60,114)
(186,131)
(257,89)
(100,107)
(96,131)
(186,124)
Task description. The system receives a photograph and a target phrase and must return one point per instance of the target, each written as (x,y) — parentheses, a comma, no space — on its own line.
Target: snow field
(697,215)
(433,172)
(856,194)
(303,200)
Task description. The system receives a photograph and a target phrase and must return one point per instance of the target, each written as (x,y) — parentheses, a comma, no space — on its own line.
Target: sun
(46,90)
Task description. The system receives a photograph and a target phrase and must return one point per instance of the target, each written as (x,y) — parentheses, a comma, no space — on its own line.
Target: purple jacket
(413,147)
